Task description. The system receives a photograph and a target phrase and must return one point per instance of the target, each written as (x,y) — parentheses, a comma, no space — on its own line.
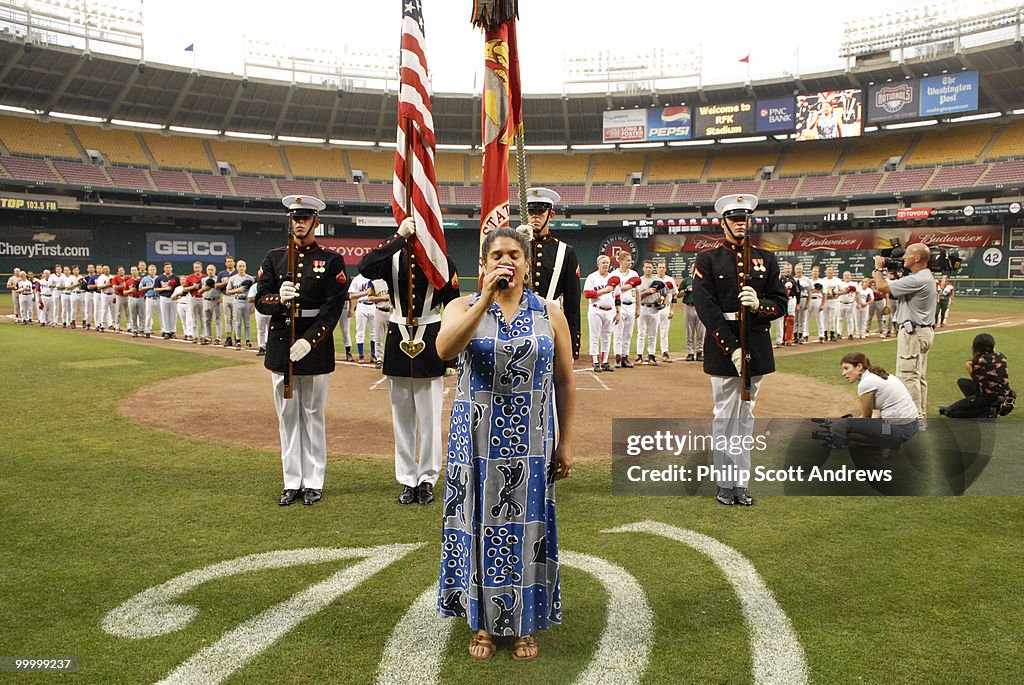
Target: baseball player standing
(604,312)
(647,315)
(152,299)
(622,331)
(12,285)
(666,312)
(229,302)
(359,292)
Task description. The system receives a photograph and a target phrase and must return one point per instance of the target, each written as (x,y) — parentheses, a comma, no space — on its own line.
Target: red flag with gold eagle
(501,114)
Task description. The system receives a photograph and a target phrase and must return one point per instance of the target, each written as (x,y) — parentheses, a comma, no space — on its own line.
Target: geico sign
(189,248)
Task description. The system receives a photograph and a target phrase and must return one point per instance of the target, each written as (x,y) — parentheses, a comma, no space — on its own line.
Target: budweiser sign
(973,236)
(828,241)
(913,213)
(699,243)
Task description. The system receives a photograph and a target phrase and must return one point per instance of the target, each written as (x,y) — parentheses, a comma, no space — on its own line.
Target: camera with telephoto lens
(941,260)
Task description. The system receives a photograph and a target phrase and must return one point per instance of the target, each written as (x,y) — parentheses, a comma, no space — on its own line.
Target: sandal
(524,648)
(482,642)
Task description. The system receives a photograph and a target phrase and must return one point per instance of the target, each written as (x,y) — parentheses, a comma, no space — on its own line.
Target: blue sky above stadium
(780,37)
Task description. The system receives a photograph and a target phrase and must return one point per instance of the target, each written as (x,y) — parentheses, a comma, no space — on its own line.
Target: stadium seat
(130,178)
(212,184)
(869,153)
(450,167)
(1009,143)
(571,195)
(809,158)
(254,159)
(739,188)
(957,176)
(297,187)
(610,194)
(818,186)
(467,196)
(38,139)
(962,145)
(29,169)
(119,147)
(905,181)
(695,192)
(377,166)
(676,166)
(739,165)
(555,168)
(308,161)
(653,194)
(340,192)
(82,174)
(172,181)
(779,188)
(249,186)
(859,184)
(178,152)
(617,168)
(378,193)
(1002,173)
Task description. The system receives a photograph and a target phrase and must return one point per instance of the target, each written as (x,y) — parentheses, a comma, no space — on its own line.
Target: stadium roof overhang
(55,79)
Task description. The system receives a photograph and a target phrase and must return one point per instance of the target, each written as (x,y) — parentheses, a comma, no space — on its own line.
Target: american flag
(414,116)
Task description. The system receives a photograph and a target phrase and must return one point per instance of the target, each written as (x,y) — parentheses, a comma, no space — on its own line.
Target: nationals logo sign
(611,246)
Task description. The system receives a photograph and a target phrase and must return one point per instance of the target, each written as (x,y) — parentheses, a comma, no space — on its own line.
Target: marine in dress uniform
(722,283)
(554,268)
(413,369)
(319,289)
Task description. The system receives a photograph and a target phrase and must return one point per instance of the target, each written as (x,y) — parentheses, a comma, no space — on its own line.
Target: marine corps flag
(502,115)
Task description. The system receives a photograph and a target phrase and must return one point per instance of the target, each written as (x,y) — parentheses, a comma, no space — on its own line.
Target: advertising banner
(27,243)
(186,247)
(625,126)
(894,101)
(669,123)
(778,114)
(949,93)
(716,121)
(992,208)
(830,114)
(27,204)
(352,249)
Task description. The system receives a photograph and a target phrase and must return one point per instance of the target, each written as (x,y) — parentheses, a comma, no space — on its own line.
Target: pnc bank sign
(180,247)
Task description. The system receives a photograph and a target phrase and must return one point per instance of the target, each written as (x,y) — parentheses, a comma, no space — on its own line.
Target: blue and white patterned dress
(499,552)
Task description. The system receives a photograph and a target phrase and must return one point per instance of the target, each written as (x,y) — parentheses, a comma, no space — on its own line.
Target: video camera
(941,261)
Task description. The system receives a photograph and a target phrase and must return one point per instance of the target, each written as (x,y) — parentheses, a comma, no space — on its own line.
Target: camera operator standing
(913,296)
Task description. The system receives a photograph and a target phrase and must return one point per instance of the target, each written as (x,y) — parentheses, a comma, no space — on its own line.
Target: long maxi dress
(499,558)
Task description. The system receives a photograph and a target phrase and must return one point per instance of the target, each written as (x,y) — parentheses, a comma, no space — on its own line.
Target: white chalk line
(413,652)
(778,658)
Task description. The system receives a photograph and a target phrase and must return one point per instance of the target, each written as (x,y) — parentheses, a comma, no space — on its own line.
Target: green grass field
(96,509)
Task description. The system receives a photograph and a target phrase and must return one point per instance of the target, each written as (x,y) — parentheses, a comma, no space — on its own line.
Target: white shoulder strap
(557,273)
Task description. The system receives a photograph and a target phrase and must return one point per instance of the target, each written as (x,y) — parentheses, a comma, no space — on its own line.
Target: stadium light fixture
(690,143)
(547,148)
(300,139)
(18,110)
(453,146)
(388,144)
(638,146)
(750,139)
(250,136)
(912,124)
(977,117)
(600,146)
(351,143)
(194,131)
(77,117)
(135,124)
(1017,111)
(870,129)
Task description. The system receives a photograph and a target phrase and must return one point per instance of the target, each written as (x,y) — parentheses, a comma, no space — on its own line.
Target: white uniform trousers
(58,311)
(28,306)
(229,315)
(623,331)
(212,320)
(46,315)
(65,309)
(16,303)
(136,309)
(195,314)
(694,331)
(663,325)
(152,305)
(877,310)
(416,412)
(733,417)
(184,310)
(109,303)
(601,323)
(830,312)
(364,322)
(647,331)
(846,319)
(812,314)
(863,320)
(98,309)
(78,306)
(262,329)
(167,314)
(380,329)
(303,431)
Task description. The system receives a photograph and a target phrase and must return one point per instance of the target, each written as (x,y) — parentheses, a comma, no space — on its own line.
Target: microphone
(504,281)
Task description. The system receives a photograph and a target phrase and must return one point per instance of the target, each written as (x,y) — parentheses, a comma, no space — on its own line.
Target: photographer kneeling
(987,391)
(897,420)
(914,296)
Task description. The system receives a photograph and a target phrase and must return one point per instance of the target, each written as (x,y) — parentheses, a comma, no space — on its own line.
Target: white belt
(307,313)
(731,316)
(432,317)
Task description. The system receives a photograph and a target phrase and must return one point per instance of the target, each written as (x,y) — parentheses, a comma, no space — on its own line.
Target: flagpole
(408,213)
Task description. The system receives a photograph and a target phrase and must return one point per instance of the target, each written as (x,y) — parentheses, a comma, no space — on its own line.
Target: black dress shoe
(288,496)
(408,495)
(606,367)
(311,496)
(425,493)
